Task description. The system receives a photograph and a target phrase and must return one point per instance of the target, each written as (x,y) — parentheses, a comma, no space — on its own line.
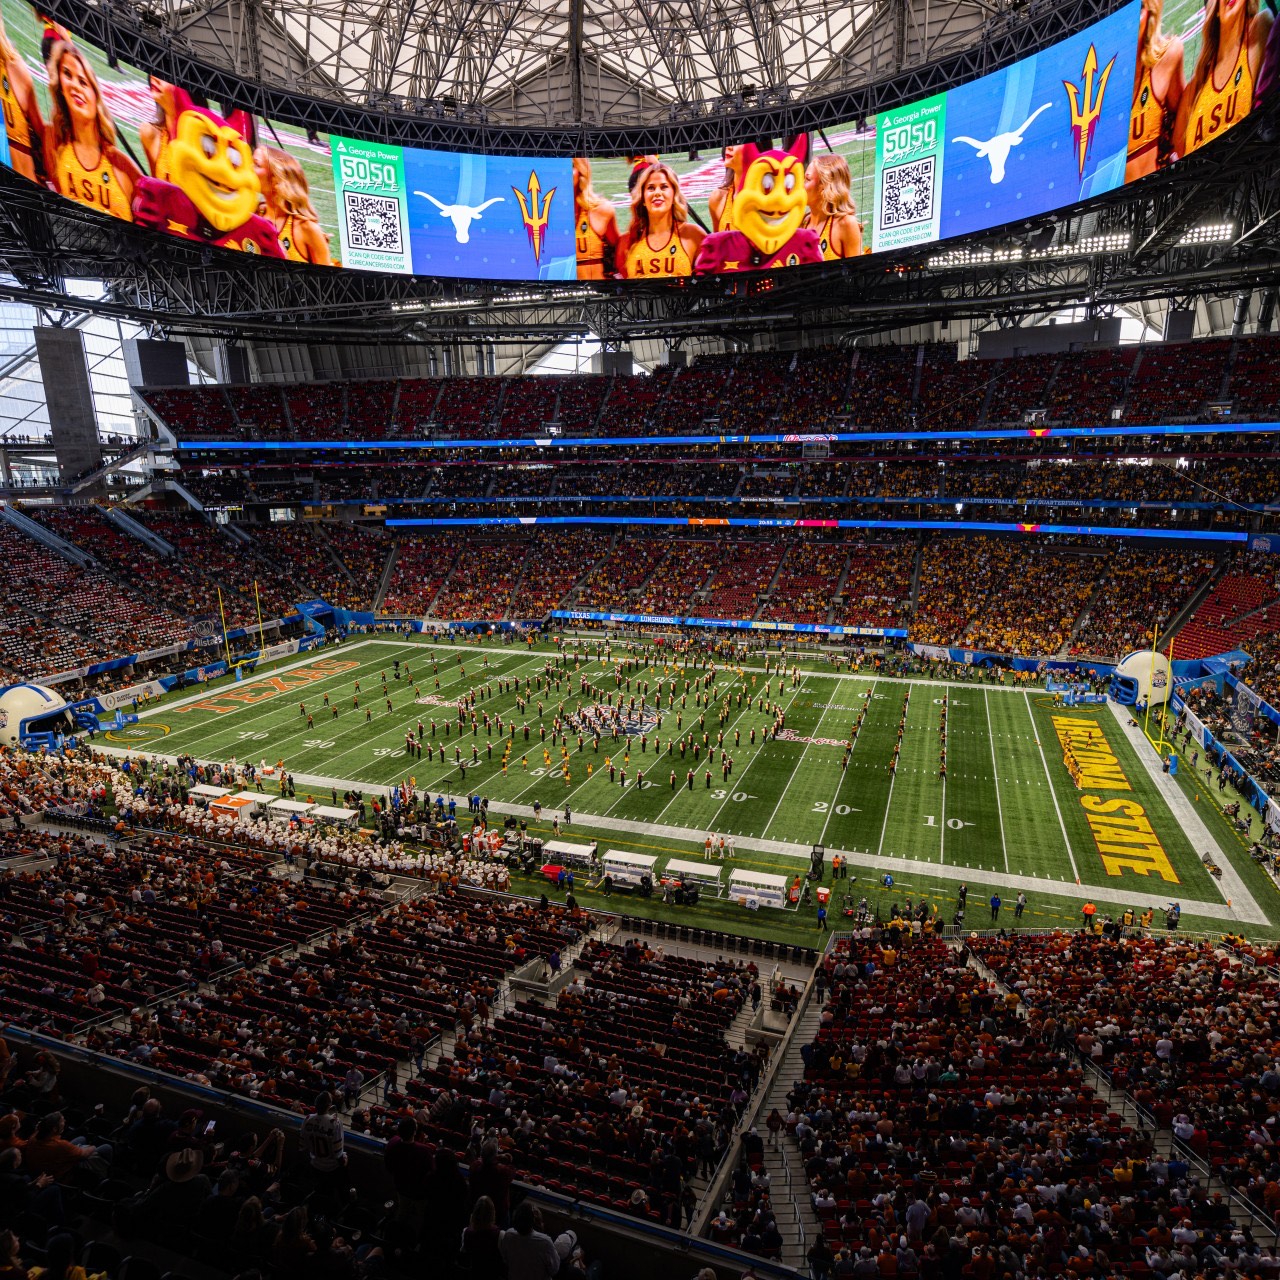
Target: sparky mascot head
(769,203)
(213,165)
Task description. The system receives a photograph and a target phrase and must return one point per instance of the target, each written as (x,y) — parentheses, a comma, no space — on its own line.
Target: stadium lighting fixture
(1112,242)
(1209,233)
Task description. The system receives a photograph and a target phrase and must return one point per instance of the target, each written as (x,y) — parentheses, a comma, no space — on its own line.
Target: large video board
(1119,100)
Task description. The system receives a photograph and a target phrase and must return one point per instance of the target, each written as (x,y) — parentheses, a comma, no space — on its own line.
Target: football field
(1007,815)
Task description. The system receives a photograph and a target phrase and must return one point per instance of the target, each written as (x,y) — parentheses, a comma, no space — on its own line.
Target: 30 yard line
(1066,839)
(995,777)
(765,740)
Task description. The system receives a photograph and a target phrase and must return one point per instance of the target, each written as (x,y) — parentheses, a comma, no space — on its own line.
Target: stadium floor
(1007,815)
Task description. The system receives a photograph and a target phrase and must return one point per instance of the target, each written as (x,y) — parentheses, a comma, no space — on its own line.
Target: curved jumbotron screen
(1124,97)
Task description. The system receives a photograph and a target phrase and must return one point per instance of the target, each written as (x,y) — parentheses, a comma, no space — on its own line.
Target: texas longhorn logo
(1085,108)
(535,213)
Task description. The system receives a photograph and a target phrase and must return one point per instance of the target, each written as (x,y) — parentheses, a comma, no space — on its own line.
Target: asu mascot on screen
(213,191)
(190,172)
(766,216)
(768,213)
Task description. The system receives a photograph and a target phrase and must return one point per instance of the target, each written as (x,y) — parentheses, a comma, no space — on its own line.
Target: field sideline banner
(169,651)
(1214,750)
(731,624)
(1011,662)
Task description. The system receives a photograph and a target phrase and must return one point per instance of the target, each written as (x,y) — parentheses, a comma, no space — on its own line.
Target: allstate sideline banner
(680,620)
(982,658)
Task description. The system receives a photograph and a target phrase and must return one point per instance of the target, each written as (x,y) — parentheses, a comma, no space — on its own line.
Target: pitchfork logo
(535,212)
(1085,106)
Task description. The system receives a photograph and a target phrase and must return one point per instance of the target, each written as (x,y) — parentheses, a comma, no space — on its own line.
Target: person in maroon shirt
(492,1177)
(409,1164)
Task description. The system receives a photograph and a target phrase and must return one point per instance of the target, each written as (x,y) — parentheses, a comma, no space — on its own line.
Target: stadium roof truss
(595,77)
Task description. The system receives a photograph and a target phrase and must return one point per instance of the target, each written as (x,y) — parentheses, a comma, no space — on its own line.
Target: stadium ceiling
(594,77)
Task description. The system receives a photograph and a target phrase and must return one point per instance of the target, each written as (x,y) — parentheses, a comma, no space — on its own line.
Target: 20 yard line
(1066,839)
(995,777)
(782,794)
(893,777)
(822,839)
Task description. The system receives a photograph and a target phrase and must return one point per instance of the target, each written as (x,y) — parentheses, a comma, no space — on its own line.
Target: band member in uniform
(287,199)
(720,201)
(595,226)
(81,153)
(157,133)
(832,212)
(22,119)
(661,241)
(1158,84)
(1220,93)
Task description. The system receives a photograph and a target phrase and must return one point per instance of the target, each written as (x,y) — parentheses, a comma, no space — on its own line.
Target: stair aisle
(789,1188)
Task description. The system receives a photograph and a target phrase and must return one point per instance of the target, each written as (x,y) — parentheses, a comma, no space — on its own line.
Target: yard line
(995,777)
(942,834)
(362,727)
(1066,839)
(715,817)
(822,839)
(682,785)
(446,776)
(942,824)
(817,728)
(893,777)
(649,782)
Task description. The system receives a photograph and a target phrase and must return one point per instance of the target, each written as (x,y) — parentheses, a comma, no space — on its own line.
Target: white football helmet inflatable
(22,703)
(1153,674)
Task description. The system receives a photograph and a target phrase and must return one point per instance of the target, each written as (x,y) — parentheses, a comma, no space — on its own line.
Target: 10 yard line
(995,777)
(942,833)
(1066,840)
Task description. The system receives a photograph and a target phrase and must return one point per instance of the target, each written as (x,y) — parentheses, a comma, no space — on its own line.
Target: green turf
(1006,807)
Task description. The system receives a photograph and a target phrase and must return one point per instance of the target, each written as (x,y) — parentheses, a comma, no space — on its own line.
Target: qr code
(373,222)
(906,194)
